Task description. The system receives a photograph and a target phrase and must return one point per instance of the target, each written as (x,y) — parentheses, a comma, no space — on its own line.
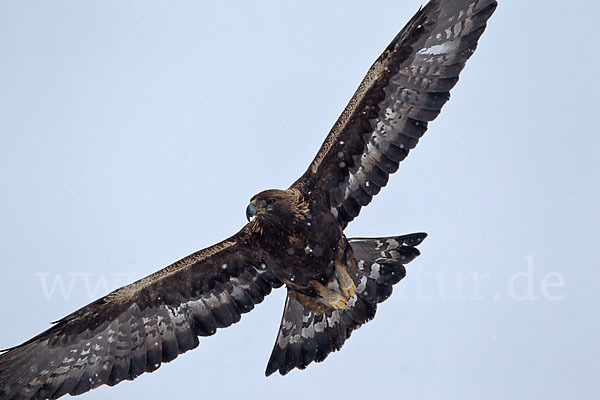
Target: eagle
(293,238)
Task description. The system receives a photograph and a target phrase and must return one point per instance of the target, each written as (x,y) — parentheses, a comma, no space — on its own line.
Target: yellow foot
(349,291)
(346,284)
(329,297)
(341,302)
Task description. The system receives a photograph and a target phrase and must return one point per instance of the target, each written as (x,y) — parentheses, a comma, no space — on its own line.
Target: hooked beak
(251,211)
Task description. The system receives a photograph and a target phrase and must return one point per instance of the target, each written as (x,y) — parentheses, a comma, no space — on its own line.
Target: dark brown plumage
(295,238)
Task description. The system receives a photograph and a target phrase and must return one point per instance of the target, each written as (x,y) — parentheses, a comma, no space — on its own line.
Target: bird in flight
(294,238)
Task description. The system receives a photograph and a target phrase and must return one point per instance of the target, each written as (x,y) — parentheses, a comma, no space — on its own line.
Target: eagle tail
(305,336)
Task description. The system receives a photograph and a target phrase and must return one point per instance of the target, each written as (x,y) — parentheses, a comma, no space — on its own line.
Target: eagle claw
(340,303)
(348,292)
(346,283)
(329,297)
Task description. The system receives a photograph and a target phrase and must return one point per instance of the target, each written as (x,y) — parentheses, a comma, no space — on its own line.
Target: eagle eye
(270,201)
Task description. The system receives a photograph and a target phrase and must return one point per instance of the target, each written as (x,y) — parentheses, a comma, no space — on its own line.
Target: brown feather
(334,284)
(137,327)
(404,89)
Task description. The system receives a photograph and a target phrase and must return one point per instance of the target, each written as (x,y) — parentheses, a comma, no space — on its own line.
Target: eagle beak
(251,211)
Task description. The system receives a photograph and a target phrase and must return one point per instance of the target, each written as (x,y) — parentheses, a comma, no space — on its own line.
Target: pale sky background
(134,133)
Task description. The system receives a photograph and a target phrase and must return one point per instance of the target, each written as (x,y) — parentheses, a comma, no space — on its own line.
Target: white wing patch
(444,48)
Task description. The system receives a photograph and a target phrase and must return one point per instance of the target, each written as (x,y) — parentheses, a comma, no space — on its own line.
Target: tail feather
(305,337)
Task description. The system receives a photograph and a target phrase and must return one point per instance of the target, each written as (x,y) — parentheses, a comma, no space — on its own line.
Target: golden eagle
(294,237)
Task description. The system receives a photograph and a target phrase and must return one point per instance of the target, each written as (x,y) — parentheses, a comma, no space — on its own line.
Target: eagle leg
(346,283)
(328,296)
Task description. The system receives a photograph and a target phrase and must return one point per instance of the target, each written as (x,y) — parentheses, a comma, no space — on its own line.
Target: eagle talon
(347,286)
(348,292)
(340,303)
(329,297)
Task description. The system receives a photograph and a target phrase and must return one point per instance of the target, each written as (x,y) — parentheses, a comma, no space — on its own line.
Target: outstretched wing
(137,327)
(403,90)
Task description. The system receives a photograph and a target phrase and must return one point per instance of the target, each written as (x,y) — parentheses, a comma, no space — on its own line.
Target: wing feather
(403,90)
(138,327)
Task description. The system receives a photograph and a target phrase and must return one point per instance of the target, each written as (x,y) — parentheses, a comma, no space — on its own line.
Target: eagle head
(277,204)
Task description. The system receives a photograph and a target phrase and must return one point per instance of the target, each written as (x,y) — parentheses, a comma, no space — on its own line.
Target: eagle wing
(135,328)
(403,90)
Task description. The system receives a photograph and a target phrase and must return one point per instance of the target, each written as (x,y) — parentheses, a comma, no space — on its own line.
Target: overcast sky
(134,133)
